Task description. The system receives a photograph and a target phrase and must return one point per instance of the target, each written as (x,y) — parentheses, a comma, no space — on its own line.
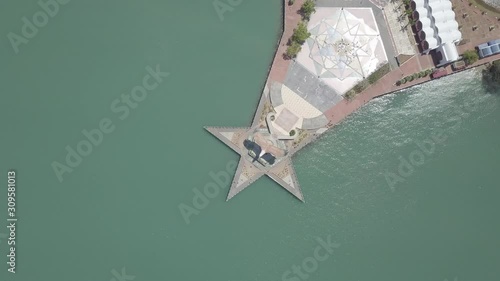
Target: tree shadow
(491,85)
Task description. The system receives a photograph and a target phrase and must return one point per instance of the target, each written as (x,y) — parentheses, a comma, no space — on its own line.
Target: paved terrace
(291,18)
(384,30)
(475,17)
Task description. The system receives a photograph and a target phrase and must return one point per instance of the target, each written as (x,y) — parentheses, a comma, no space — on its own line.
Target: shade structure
(488,49)
(446,26)
(426,33)
(431,43)
(443,16)
(449,52)
(422,23)
(416,4)
(436,24)
(495,49)
(456,35)
(440,6)
(445,37)
(420,12)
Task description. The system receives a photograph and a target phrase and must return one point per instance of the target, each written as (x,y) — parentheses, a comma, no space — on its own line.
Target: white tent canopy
(449,53)
(438,27)
(432,42)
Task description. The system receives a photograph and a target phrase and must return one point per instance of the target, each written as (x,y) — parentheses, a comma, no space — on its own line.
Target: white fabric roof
(418,4)
(457,35)
(426,22)
(441,6)
(449,52)
(422,12)
(443,15)
(438,22)
(445,37)
(447,26)
(433,44)
(429,32)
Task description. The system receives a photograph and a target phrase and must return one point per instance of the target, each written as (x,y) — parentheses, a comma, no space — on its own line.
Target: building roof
(488,49)
(438,73)
(437,24)
(449,52)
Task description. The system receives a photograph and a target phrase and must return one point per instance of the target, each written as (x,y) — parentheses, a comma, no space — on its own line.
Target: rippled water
(119,209)
(440,221)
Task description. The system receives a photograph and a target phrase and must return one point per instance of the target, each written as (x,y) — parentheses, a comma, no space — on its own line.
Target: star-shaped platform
(248,171)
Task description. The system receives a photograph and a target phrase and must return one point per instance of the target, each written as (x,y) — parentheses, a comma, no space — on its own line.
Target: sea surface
(407,188)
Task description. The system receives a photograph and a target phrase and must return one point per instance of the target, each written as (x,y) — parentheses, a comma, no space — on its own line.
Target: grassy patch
(364,84)
(379,73)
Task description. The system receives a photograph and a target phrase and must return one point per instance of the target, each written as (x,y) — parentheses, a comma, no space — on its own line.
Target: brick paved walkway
(469,16)
(280,64)
(387,85)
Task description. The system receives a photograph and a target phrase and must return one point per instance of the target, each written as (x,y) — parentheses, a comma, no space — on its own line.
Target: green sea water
(118,210)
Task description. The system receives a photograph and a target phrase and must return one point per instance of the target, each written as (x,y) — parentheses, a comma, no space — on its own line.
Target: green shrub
(492,73)
(361,86)
(379,73)
(290,2)
(292,133)
(409,78)
(350,94)
(307,9)
(470,56)
(293,50)
(300,34)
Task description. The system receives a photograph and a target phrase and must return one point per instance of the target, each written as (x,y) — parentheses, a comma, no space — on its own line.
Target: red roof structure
(439,73)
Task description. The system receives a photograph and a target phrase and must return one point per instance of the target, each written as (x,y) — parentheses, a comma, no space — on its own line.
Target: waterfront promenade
(284,71)
(387,84)
(280,64)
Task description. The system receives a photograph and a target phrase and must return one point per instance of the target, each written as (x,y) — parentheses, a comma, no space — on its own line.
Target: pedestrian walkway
(398,25)
(379,3)
(387,85)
